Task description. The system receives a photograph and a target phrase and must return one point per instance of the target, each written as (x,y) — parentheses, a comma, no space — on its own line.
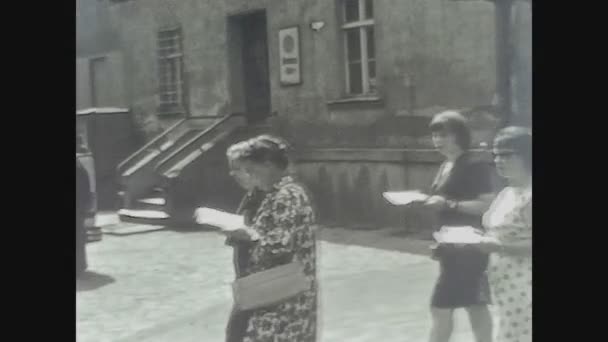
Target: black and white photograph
(303,170)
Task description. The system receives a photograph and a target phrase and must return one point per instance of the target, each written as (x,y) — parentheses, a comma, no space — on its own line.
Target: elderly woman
(460,194)
(280,212)
(509,235)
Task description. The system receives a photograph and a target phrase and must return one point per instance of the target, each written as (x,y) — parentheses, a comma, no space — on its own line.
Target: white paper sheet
(458,235)
(404,197)
(224,221)
(220,219)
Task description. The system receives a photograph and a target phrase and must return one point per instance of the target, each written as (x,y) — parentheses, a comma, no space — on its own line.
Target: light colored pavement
(175,286)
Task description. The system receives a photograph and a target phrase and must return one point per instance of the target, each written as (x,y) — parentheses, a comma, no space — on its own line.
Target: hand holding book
(459,235)
(404,197)
(229,224)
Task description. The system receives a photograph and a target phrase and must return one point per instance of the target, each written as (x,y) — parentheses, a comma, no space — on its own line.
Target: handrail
(196,137)
(149,144)
(199,117)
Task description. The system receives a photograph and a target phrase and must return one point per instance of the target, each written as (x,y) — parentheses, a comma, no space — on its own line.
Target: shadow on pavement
(91,280)
(390,239)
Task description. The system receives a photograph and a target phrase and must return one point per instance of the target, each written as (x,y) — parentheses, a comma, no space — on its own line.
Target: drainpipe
(503,59)
(504,55)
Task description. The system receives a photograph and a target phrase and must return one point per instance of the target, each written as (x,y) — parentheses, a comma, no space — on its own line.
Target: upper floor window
(359,45)
(170,68)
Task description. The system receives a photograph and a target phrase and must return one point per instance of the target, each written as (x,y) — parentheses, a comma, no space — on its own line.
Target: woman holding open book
(460,194)
(509,237)
(279,221)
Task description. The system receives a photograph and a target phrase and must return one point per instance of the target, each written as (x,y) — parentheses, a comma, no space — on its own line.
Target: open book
(458,235)
(224,221)
(404,197)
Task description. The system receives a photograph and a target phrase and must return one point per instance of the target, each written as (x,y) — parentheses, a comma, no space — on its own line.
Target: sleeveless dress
(509,219)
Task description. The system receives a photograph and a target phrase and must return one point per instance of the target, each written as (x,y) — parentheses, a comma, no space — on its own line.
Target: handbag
(273,286)
(270,287)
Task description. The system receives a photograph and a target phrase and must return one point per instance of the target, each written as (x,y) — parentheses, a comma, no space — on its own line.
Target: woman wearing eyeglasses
(509,235)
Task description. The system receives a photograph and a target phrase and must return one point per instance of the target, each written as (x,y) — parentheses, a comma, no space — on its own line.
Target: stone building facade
(372,73)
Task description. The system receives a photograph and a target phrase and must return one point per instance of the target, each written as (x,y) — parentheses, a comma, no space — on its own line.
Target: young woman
(460,194)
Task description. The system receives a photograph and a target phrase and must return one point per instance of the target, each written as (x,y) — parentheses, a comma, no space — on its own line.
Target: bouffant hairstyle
(261,149)
(454,123)
(518,140)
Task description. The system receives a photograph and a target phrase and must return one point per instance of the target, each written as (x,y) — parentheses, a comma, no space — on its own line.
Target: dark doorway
(249,42)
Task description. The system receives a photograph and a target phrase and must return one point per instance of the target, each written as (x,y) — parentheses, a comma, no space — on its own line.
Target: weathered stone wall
(444,49)
(521,42)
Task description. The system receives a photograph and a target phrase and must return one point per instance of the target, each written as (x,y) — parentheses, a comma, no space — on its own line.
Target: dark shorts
(462,280)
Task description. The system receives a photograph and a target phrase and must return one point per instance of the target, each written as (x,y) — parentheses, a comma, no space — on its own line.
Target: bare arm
(519,248)
(522,248)
(475,207)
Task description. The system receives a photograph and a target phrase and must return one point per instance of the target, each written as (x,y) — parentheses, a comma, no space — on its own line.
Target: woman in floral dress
(237,324)
(509,238)
(283,220)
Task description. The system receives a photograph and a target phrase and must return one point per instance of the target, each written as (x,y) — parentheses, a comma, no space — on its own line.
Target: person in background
(280,212)
(460,194)
(237,324)
(83,204)
(509,235)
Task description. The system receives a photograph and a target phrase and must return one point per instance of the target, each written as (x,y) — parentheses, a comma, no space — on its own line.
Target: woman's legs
(81,248)
(443,324)
(481,322)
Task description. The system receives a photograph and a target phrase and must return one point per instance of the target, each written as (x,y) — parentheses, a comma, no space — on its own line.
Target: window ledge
(369,99)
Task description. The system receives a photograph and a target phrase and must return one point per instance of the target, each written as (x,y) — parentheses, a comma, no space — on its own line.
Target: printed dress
(285,223)
(237,324)
(509,219)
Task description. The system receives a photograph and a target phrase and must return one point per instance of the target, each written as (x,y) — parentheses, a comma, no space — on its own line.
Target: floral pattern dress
(284,221)
(509,219)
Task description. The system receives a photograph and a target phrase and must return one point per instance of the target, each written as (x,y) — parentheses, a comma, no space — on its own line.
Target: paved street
(161,285)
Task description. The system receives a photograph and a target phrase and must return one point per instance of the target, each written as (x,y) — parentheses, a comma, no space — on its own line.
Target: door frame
(236,72)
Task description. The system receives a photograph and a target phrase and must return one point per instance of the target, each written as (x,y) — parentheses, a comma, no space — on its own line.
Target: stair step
(152,217)
(158,201)
(153,214)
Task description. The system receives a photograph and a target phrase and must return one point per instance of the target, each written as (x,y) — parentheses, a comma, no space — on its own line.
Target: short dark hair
(263,148)
(517,139)
(455,123)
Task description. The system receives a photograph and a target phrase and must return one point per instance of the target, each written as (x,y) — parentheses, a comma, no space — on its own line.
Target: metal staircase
(180,169)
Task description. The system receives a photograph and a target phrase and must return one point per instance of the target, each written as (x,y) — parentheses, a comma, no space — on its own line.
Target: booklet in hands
(458,235)
(404,197)
(226,222)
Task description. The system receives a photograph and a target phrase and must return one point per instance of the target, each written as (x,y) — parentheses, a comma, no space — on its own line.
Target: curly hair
(517,139)
(261,149)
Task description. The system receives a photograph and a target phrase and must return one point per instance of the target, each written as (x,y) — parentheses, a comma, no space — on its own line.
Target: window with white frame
(170,68)
(359,46)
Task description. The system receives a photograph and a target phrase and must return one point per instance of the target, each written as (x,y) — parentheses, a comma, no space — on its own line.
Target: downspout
(503,59)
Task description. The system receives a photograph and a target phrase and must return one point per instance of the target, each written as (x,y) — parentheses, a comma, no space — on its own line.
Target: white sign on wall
(289,55)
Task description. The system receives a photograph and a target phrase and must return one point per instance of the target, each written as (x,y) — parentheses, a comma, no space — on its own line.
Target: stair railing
(153,145)
(161,165)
